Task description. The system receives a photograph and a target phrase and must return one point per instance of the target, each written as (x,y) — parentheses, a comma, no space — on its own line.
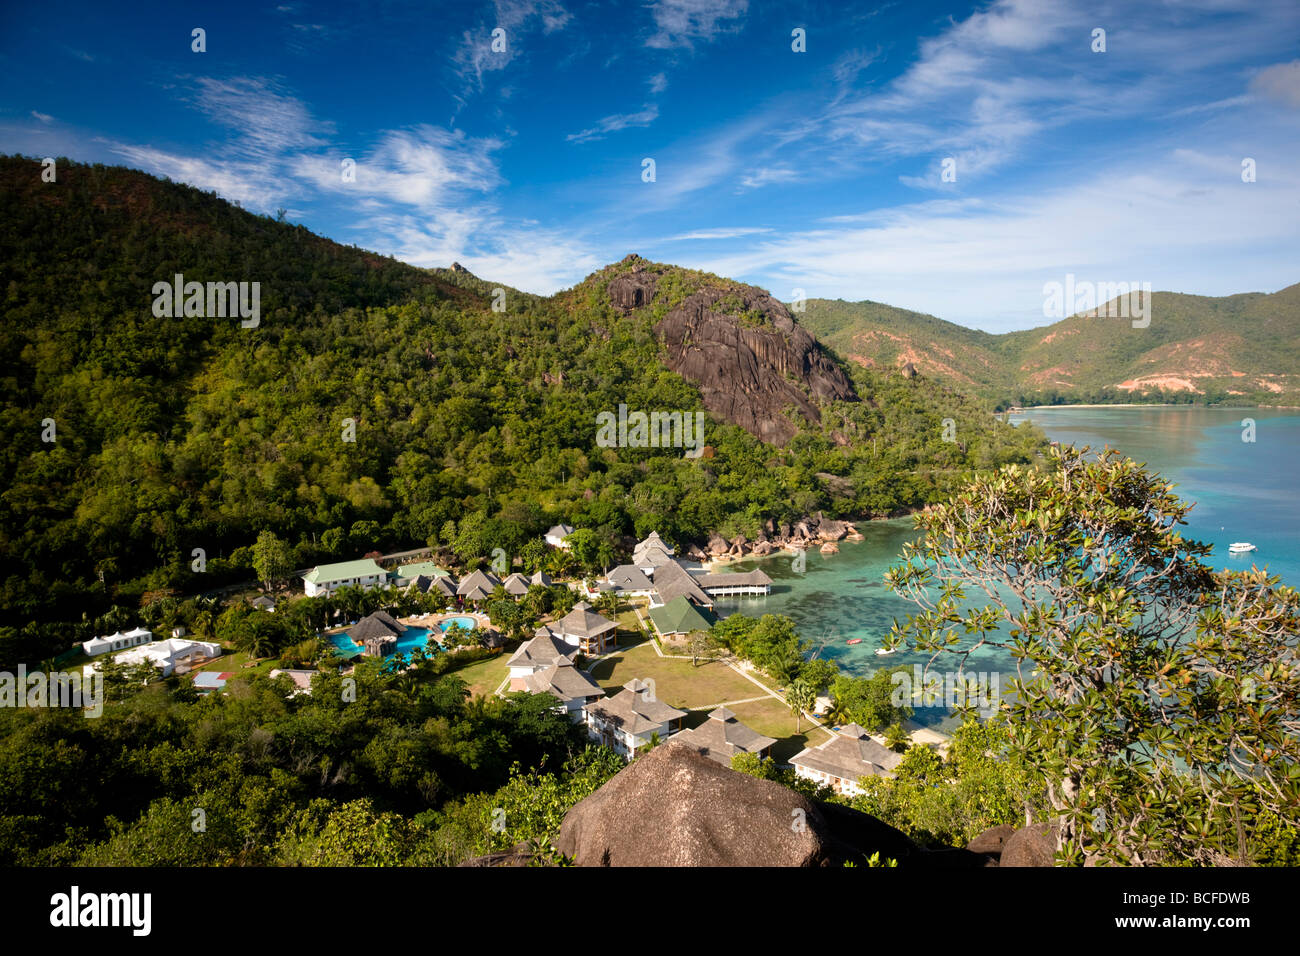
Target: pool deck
(431,621)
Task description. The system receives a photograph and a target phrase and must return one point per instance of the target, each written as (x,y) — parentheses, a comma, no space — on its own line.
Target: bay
(1242,490)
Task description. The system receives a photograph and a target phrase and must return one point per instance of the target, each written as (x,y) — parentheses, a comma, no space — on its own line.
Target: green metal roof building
(680,616)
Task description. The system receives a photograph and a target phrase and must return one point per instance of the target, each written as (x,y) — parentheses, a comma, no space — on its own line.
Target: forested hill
(473,428)
(1243,348)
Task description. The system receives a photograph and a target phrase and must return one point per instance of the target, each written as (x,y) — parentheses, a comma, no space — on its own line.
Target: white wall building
(170,654)
(326,578)
(116,642)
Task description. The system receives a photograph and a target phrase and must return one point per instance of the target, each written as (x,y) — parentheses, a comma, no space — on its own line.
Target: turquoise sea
(1243,492)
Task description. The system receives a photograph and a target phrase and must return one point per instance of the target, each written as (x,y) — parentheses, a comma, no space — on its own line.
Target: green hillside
(474,429)
(1241,348)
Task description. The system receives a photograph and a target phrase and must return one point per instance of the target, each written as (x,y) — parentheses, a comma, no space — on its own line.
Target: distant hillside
(1243,348)
(381,406)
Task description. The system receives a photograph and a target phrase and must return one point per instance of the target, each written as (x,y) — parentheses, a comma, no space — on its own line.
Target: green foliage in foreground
(1161,706)
(947,801)
(256,776)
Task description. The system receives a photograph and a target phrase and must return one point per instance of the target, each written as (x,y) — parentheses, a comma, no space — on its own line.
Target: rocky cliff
(754,365)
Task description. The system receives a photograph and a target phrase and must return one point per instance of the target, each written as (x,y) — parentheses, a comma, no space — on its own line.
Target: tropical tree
(801,698)
(1155,698)
(896,738)
(271,559)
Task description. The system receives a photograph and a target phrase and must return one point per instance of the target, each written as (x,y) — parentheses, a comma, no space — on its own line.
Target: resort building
(679,616)
(543,651)
(116,642)
(586,630)
(845,759)
(630,581)
(174,655)
(426,568)
(446,586)
(555,537)
(722,736)
(540,579)
(516,585)
(671,581)
(326,578)
(741,582)
(263,603)
(301,679)
(477,586)
(652,553)
(628,720)
(571,687)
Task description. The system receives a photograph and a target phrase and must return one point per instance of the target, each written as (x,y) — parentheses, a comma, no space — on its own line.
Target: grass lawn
(676,682)
(235,663)
(483,677)
(773,719)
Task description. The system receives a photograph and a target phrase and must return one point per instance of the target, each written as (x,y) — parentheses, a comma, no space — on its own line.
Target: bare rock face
(748,374)
(718,545)
(631,290)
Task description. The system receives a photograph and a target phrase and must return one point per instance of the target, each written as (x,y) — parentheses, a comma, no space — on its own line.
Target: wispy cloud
(610,124)
(983,261)
(679,23)
(735,233)
(768,175)
(43,117)
(517,18)
(269,121)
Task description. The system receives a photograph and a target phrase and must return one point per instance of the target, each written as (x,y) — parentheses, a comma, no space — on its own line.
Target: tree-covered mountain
(378,405)
(1239,348)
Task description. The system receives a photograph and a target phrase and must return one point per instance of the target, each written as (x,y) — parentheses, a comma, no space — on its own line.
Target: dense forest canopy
(184,433)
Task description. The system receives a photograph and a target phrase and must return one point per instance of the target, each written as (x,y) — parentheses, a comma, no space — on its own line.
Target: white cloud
(983,262)
(658,83)
(426,167)
(43,117)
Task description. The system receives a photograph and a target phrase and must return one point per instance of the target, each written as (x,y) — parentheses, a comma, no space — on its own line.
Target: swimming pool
(468,623)
(412,638)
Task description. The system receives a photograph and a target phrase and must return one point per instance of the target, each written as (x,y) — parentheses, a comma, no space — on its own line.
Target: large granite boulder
(675,807)
(1034,845)
(632,290)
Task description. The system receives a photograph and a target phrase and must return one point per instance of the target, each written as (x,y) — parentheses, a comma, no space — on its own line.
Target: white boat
(1240,547)
(885,651)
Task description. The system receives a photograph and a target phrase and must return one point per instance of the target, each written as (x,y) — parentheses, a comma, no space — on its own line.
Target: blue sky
(818,170)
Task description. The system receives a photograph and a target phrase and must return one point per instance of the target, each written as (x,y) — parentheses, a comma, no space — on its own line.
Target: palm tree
(896,738)
(800,697)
